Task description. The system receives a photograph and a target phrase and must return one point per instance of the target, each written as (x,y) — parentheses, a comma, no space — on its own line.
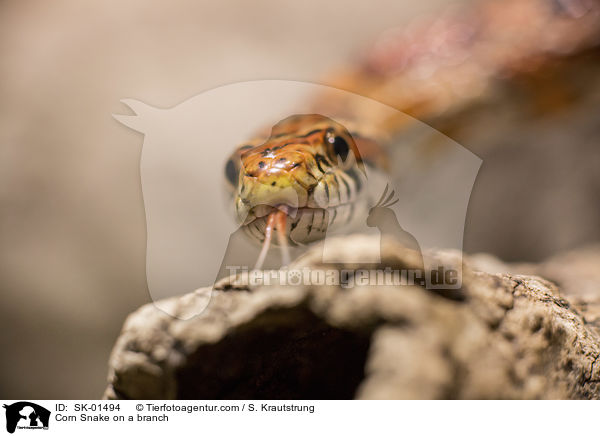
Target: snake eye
(340,147)
(231,172)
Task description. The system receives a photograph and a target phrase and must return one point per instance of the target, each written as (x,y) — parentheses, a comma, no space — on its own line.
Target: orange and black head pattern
(308,162)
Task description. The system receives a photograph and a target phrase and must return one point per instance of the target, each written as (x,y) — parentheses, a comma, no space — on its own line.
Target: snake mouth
(302,225)
(264,210)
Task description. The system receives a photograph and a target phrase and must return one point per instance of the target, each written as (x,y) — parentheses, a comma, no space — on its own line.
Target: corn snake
(428,70)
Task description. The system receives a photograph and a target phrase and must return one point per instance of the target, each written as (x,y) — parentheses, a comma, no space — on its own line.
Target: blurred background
(72,226)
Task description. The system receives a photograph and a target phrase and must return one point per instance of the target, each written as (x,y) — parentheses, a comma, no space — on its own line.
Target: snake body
(312,169)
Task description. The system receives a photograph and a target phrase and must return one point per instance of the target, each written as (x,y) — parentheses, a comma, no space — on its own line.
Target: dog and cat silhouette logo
(184,160)
(26,415)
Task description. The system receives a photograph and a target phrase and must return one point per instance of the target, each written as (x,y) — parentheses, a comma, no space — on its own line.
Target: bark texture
(507,333)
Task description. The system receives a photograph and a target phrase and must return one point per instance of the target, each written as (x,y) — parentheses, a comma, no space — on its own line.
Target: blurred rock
(501,336)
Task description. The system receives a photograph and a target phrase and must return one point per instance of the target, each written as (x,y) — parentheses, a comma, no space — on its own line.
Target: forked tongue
(276,220)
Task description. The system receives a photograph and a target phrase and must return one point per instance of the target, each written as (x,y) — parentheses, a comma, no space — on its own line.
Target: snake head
(309,162)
